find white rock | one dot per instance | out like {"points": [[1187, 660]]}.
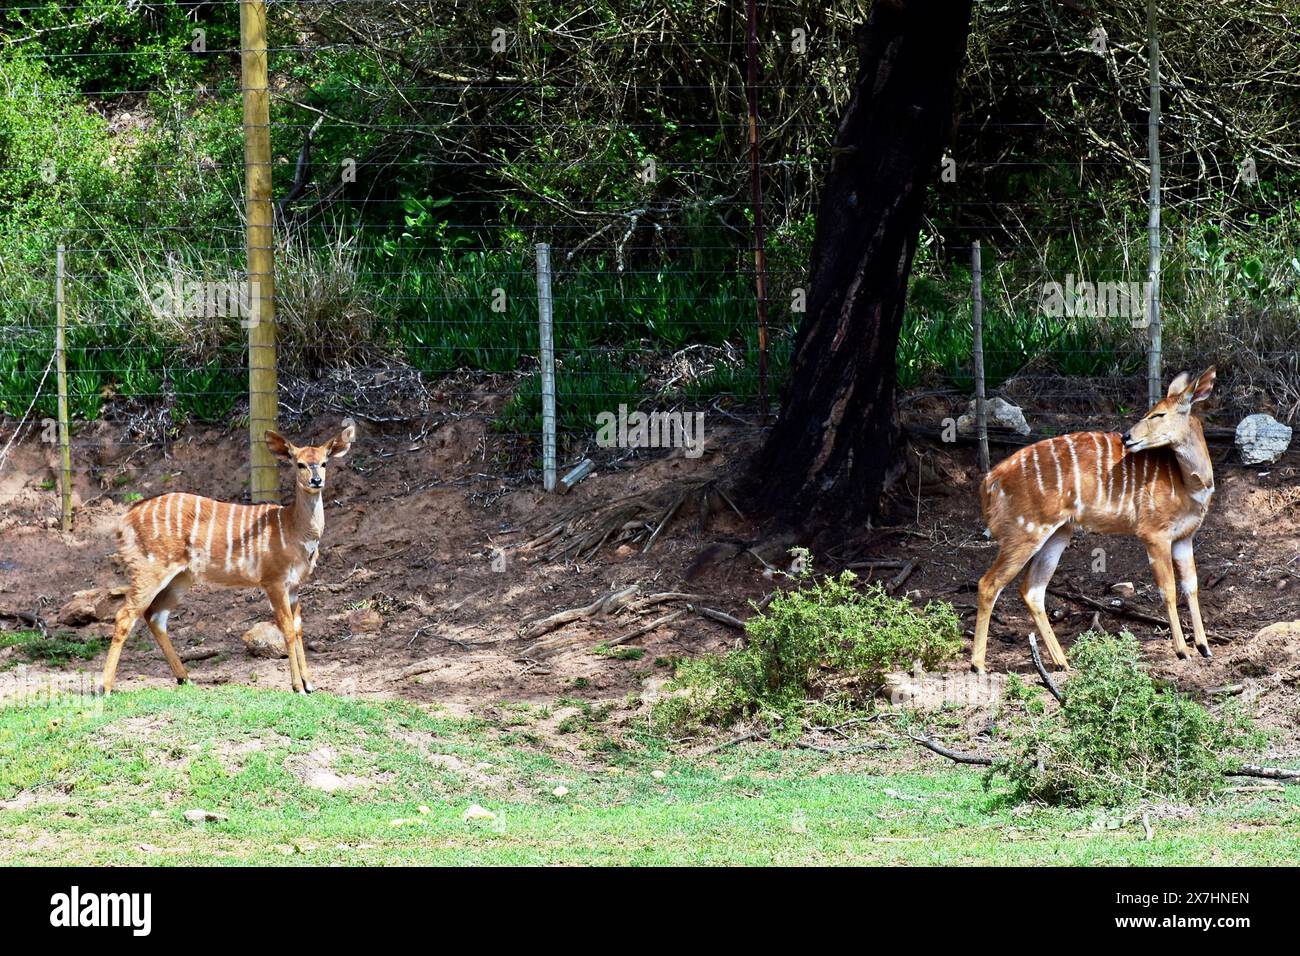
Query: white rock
{"points": [[1000, 414], [658, 774], [1262, 439], [560, 791], [476, 812]]}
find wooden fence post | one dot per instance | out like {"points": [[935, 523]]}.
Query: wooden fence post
{"points": [[263, 389]]}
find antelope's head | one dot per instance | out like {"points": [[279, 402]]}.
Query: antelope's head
{"points": [[1170, 420], [309, 460]]}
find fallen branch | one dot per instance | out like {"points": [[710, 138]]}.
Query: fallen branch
{"points": [[943, 751], [722, 617], [901, 577], [1268, 773], [1122, 610], [602, 605], [198, 654], [1042, 671], [729, 743], [643, 629]]}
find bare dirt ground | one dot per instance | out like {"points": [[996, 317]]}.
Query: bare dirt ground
{"points": [[419, 531]]}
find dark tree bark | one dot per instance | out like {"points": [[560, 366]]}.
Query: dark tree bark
{"points": [[837, 434]]}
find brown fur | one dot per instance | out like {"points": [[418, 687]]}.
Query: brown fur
{"points": [[170, 542], [1155, 482]]}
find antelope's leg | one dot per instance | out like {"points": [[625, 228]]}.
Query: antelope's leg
{"points": [[127, 615], [279, 599], [1162, 566], [143, 590], [296, 606], [156, 618], [1034, 590], [1010, 559], [1185, 565]]}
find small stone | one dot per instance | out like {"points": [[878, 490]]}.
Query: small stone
{"points": [[204, 816], [560, 792], [1124, 589], [423, 809], [1262, 439], [475, 812], [998, 413], [264, 639], [658, 774], [364, 620], [91, 605], [326, 780]]}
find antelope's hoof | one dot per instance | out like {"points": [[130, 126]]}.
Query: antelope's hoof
{"points": [[1205, 650], [307, 687], [184, 682], [1182, 655], [977, 668]]}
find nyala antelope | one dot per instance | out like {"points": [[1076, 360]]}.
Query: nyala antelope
{"points": [[169, 542], [1154, 481]]}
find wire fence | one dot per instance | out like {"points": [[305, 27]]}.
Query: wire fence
{"points": [[412, 184]]}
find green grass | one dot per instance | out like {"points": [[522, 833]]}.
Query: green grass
{"points": [[112, 780], [30, 646]]}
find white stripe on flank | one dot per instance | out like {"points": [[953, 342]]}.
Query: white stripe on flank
{"points": [[1096, 447], [212, 525], [1038, 472], [1173, 493], [243, 536], [230, 534], [1060, 480], [1123, 486], [194, 525], [279, 527], [1074, 465], [1110, 472]]}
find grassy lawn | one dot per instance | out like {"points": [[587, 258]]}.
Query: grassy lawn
{"points": [[96, 782]]}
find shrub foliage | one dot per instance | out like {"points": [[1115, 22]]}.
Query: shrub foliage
{"points": [[826, 645], [1119, 737]]}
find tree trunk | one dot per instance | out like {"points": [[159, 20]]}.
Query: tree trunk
{"points": [[837, 433]]}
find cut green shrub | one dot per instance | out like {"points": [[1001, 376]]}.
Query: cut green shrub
{"points": [[825, 644], [1119, 737]]}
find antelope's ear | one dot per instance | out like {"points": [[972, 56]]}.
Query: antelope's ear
{"points": [[279, 446], [1204, 385], [338, 445], [1178, 385]]}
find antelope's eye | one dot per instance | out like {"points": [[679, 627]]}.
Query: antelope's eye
{"points": [[1156, 415], [301, 465]]}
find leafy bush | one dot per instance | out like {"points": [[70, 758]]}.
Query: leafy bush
{"points": [[1119, 737], [825, 644]]}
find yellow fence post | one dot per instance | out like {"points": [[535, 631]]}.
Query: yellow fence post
{"points": [[264, 482]]}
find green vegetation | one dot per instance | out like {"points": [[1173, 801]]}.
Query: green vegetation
{"points": [[108, 782], [32, 646], [120, 138], [823, 647], [1119, 737]]}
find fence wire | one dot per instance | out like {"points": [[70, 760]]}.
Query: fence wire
{"points": [[417, 161]]}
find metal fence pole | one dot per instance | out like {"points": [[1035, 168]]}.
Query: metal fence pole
{"points": [[1153, 213], [546, 339], [264, 479], [977, 328], [60, 343]]}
